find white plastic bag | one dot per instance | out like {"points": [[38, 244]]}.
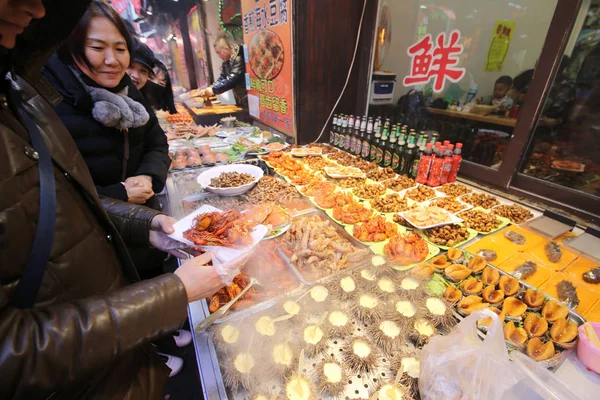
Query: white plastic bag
{"points": [[227, 270], [462, 366]]}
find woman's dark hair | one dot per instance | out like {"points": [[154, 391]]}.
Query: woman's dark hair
{"points": [[73, 49], [169, 101]]}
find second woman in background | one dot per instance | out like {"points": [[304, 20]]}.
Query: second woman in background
{"points": [[118, 135]]}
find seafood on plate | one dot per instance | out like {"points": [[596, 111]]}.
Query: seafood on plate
{"points": [[369, 191], [526, 270], [454, 189], [227, 293], [553, 252], [270, 189], [229, 229], [514, 212], [567, 293], [315, 246], [515, 237], [317, 186], [343, 172], [421, 193], [447, 235], [592, 276], [375, 229], [449, 203], [317, 163], [390, 203], [347, 183], [480, 220], [400, 183], [483, 200], [427, 216], [352, 213], [332, 199], [406, 249], [381, 174], [301, 176]]}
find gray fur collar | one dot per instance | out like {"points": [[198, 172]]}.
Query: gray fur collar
{"points": [[115, 110]]}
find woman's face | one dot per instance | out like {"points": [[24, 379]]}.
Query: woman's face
{"points": [[139, 74], [107, 52], [15, 16], [159, 77]]}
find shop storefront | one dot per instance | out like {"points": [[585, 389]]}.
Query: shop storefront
{"points": [[366, 266]]}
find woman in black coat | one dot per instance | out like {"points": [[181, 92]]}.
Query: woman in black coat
{"points": [[116, 131]]}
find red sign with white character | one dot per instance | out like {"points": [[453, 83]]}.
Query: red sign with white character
{"points": [[435, 62]]}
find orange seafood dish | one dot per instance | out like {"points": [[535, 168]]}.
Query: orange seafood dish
{"points": [[352, 213], [406, 249], [301, 176], [317, 186], [332, 199], [375, 229], [227, 229]]}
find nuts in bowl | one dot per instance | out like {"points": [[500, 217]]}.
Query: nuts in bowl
{"points": [[390, 204], [231, 179], [514, 212], [454, 189]]}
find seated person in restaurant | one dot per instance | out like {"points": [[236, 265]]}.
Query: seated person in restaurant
{"points": [[233, 70], [500, 98]]}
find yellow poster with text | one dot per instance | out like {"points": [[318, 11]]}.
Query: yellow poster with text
{"points": [[501, 38]]}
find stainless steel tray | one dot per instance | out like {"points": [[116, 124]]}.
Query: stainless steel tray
{"points": [[555, 361], [342, 232]]}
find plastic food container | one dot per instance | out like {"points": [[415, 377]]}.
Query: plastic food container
{"points": [[586, 351]]}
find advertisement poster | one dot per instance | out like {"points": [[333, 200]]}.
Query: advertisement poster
{"points": [[198, 45], [268, 40], [501, 38]]}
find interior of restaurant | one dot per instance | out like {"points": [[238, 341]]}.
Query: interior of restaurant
{"points": [[563, 148]]}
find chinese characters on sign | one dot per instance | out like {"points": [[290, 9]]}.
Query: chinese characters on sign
{"points": [[501, 38], [435, 61], [268, 37]]}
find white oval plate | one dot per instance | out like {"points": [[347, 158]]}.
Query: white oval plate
{"points": [[205, 177]]}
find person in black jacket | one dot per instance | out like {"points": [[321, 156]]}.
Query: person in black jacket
{"points": [[116, 131], [233, 70], [159, 91]]}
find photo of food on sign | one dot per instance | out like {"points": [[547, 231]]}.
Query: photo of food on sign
{"points": [[266, 54]]}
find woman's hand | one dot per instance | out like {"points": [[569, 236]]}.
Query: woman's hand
{"points": [[138, 194], [139, 189], [200, 280], [160, 227]]}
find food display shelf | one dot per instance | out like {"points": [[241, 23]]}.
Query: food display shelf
{"points": [[208, 362], [557, 360]]}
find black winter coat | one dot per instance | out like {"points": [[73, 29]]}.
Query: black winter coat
{"points": [[105, 149]]}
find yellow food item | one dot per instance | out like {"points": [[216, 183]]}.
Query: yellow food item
{"points": [[333, 372], [291, 307], [265, 326], [283, 354], [313, 334], [368, 301], [244, 362], [230, 334]]}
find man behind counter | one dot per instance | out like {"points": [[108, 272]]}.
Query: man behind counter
{"points": [[232, 70]]}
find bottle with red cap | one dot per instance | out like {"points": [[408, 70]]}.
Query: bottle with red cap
{"points": [[425, 164], [436, 168], [456, 160], [447, 166]]}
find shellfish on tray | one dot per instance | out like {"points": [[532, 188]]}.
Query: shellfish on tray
{"points": [[406, 249]]}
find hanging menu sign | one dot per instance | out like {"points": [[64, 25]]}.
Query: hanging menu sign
{"points": [[268, 53]]}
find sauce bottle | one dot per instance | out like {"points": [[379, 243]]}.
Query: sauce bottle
{"points": [[425, 164], [456, 160], [447, 166], [436, 168]]}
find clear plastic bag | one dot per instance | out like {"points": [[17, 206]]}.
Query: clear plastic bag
{"points": [[227, 270], [462, 366]]}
